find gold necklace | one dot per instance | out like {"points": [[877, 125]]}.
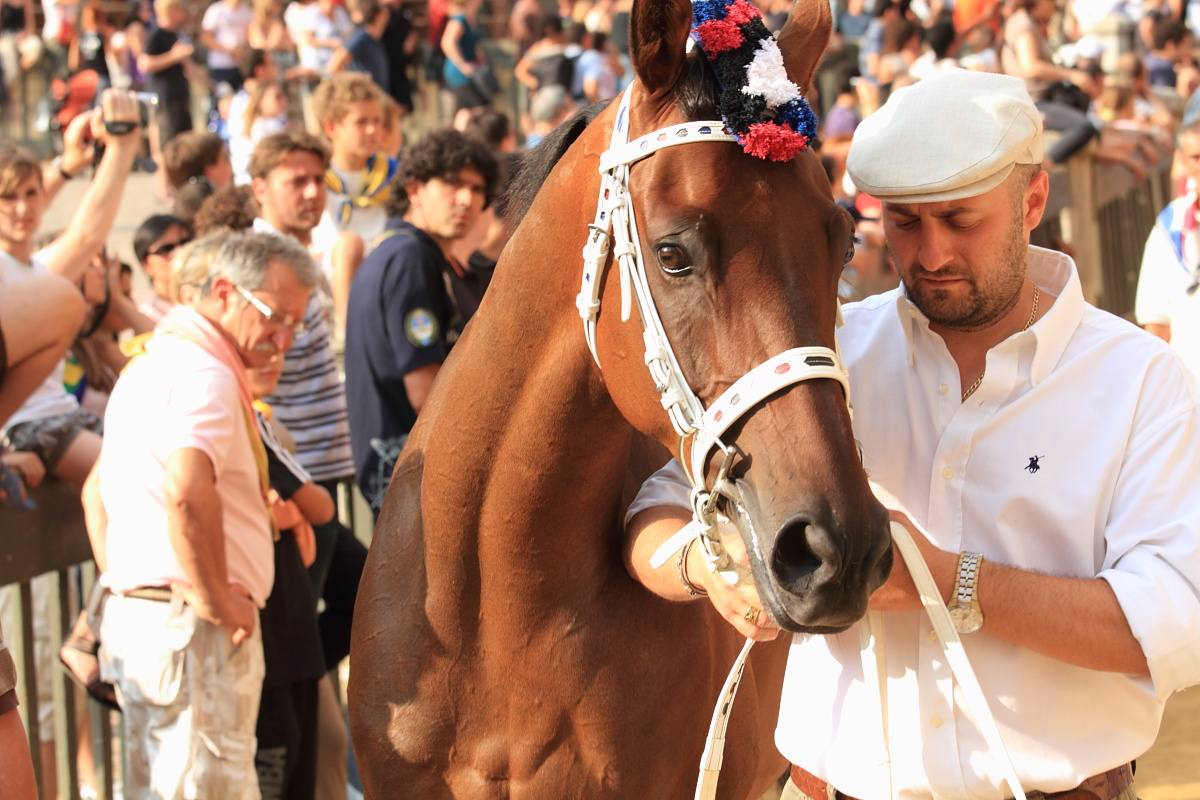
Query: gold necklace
{"points": [[1032, 316]]}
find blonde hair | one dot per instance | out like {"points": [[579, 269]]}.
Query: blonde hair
{"points": [[331, 101], [161, 7], [17, 165]]}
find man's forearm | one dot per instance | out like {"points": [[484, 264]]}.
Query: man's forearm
{"points": [[94, 218], [195, 529], [95, 518], [1074, 620]]}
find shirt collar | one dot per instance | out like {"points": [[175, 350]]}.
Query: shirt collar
{"points": [[1053, 273]]}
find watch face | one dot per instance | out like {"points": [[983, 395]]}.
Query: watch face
{"points": [[966, 619]]}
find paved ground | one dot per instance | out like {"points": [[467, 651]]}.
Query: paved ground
{"points": [[1169, 771]]}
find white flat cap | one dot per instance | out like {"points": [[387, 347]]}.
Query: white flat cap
{"points": [[954, 135]]}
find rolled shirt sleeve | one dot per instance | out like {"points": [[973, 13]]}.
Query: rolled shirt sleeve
{"points": [[1152, 560]]}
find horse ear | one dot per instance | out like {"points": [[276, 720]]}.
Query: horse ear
{"points": [[804, 38], [658, 35]]}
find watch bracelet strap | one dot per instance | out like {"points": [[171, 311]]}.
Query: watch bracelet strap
{"points": [[966, 581]]}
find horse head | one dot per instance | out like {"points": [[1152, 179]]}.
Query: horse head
{"points": [[742, 256]]}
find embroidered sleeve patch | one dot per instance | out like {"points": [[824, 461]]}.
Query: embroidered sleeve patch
{"points": [[421, 327]]}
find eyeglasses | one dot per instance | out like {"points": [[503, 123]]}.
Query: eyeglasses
{"points": [[166, 250], [298, 328]]}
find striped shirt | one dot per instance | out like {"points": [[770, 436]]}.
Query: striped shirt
{"points": [[310, 400]]}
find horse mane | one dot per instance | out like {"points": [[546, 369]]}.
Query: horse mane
{"points": [[695, 95]]}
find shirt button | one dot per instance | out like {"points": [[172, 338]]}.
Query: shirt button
{"points": [[944, 388], [947, 473], [936, 722], [933, 636], [912, 312]]}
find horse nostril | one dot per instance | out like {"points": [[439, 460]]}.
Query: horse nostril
{"points": [[797, 554]]}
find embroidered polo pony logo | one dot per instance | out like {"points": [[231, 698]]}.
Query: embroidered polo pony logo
{"points": [[1033, 466]]}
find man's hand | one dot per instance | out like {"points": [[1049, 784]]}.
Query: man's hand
{"points": [[289, 517], [233, 610], [27, 465], [79, 143], [118, 106], [182, 50], [900, 593], [738, 603]]}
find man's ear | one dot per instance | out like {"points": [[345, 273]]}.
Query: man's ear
{"points": [[1036, 195], [327, 128], [258, 187]]}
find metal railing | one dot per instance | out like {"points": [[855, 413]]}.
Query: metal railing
{"points": [[52, 541], [1102, 218]]}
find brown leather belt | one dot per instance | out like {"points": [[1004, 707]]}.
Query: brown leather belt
{"points": [[1098, 787]]}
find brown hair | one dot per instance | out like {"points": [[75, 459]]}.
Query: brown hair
{"points": [[17, 165], [270, 152], [233, 207], [366, 10], [187, 155], [331, 101]]}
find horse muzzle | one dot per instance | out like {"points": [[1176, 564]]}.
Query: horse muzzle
{"points": [[814, 575]]}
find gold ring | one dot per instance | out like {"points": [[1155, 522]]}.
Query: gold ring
{"points": [[751, 615]]}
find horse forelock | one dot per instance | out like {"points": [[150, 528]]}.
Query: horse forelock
{"points": [[695, 96]]}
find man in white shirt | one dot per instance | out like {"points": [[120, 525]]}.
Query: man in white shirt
{"points": [[1046, 446]]}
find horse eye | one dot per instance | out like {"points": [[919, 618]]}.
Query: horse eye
{"points": [[850, 248], [673, 259]]}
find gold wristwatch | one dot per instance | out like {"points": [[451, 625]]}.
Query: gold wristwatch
{"points": [[964, 609]]}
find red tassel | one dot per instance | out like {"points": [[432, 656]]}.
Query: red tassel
{"points": [[740, 12], [776, 142], [719, 35]]}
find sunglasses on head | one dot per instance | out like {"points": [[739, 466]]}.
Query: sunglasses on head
{"points": [[166, 249]]}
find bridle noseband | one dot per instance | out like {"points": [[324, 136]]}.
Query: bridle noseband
{"points": [[614, 212]]}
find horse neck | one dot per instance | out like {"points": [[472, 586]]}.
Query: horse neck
{"points": [[522, 388]]}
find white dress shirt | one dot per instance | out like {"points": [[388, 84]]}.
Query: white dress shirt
{"points": [[1078, 455]]}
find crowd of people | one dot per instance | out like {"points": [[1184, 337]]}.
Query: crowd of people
{"points": [[310, 273]]}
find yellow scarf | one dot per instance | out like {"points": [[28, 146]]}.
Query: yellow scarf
{"points": [[375, 188]]}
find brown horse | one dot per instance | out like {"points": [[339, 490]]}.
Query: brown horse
{"points": [[500, 648]]}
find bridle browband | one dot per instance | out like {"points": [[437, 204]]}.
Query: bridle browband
{"points": [[614, 212]]}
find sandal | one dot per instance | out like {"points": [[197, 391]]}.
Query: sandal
{"points": [[100, 691], [12, 490]]}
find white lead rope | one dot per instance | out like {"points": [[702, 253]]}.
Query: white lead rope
{"points": [[875, 666]]}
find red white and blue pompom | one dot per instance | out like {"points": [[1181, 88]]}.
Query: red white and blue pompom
{"points": [[761, 107]]}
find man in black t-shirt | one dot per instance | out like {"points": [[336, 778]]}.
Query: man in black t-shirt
{"points": [[163, 62], [402, 314]]}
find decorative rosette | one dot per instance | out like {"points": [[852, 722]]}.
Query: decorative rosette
{"points": [[763, 110]]}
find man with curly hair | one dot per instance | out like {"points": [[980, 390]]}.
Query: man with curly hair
{"points": [[411, 299]]}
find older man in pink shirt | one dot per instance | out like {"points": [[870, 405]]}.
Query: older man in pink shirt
{"points": [[187, 536]]}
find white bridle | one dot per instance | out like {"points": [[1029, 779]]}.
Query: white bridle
{"points": [[614, 212]]}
